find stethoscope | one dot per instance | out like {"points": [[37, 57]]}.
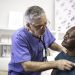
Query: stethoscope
{"points": [[45, 49]]}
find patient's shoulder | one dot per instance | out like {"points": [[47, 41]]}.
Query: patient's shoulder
{"points": [[61, 55]]}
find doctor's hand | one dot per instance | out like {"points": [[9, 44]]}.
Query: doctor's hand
{"points": [[64, 65], [64, 49]]}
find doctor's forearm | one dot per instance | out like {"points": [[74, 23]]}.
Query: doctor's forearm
{"points": [[57, 47], [38, 66]]}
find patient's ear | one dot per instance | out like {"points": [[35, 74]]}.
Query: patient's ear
{"points": [[71, 43]]}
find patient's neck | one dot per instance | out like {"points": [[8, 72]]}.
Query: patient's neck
{"points": [[71, 53]]}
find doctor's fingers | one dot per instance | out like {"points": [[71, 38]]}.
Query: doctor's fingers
{"points": [[68, 67], [64, 64]]}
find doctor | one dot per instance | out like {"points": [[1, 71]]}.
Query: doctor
{"points": [[29, 46]]}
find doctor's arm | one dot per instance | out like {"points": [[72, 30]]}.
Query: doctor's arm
{"points": [[57, 47], [32, 66]]}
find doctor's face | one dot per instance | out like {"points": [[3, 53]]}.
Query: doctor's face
{"points": [[39, 25]]}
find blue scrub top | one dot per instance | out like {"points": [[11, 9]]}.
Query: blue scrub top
{"points": [[26, 47], [62, 55]]}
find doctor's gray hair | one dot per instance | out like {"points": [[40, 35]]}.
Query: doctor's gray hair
{"points": [[33, 13]]}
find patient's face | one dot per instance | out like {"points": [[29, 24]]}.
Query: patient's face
{"points": [[69, 39]]}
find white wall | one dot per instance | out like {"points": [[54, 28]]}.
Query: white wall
{"points": [[21, 5]]}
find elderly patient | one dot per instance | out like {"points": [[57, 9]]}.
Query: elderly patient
{"points": [[69, 43]]}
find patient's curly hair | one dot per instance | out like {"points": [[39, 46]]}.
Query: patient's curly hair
{"points": [[70, 39]]}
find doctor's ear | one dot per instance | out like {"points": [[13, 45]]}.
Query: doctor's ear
{"points": [[28, 25]]}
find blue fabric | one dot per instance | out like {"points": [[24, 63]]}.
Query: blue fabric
{"points": [[67, 57], [26, 47]]}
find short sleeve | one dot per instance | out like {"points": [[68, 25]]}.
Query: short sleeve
{"points": [[20, 50], [49, 38]]}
